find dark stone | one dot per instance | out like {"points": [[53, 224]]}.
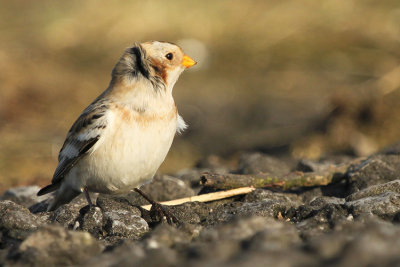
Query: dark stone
{"points": [[366, 241], [393, 186], [393, 149], [40, 206], [161, 188], [244, 238], [321, 202], [190, 212], [319, 217], [16, 221], [128, 254], [112, 219], [385, 205], [192, 177], [124, 224], [307, 165], [91, 219], [67, 214], [24, 195], [377, 169], [122, 219], [55, 245], [165, 235], [245, 228], [339, 224], [259, 203], [265, 194], [257, 162], [109, 203]]}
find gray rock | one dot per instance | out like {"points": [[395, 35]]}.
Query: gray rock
{"points": [[393, 149], [91, 219], [265, 194], [393, 186], [112, 219], [165, 235], [335, 225], [158, 248], [306, 165], [41, 206], [319, 217], [24, 195], [377, 169], [243, 229], [109, 203], [16, 221], [275, 242], [128, 254], [251, 163], [190, 212], [121, 218], [377, 246], [321, 202], [165, 187], [230, 242], [124, 224], [368, 241], [192, 177], [67, 214], [385, 205], [161, 188], [55, 245], [280, 258], [162, 256], [261, 203]]}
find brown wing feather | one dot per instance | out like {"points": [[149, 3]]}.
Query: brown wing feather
{"points": [[82, 136]]}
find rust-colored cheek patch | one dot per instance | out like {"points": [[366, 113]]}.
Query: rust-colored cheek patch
{"points": [[160, 70]]}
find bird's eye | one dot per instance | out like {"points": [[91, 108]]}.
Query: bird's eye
{"points": [[169, 56]]}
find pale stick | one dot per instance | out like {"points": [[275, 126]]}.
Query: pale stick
{"points": [[207, 197]]}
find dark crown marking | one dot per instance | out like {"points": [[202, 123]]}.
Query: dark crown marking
{"points": [[141, 61], [135, 63]]}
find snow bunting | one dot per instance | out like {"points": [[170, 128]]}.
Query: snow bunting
{"points": [[120, 140]]}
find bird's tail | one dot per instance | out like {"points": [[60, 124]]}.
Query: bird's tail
{"points": [[63, 196], [48, 189]]}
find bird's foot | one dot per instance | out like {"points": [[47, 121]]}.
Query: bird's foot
{"points": [[157, 211]]}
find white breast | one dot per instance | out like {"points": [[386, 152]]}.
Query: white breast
{"points": [[129, 153]]}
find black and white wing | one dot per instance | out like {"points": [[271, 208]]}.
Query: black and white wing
{"points": [[82, 136]]}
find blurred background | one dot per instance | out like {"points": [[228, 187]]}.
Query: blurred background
{"points": [[300, 78]]}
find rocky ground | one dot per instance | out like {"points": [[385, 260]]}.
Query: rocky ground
{"points": [[354, 221]]}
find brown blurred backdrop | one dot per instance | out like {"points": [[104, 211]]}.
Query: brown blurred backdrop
{"points": [[302, 78]]}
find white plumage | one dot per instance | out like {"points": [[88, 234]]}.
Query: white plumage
{"points": [[121, 139]]}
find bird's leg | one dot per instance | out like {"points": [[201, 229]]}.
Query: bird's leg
{"points": [[145, 196], [158, 209], [86, 192]]}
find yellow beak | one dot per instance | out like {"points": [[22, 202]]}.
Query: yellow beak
{"points": [[188, 61]]}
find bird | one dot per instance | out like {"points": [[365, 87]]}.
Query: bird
{"points": [[120, 140]]}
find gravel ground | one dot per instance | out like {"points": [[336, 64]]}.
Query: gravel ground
{"points": [[351, 222]]}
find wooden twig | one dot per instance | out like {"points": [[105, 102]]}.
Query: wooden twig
{"points": [[265, 180], [207, 197]]}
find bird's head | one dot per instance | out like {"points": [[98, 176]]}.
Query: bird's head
{"points": [[160, 62]]}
